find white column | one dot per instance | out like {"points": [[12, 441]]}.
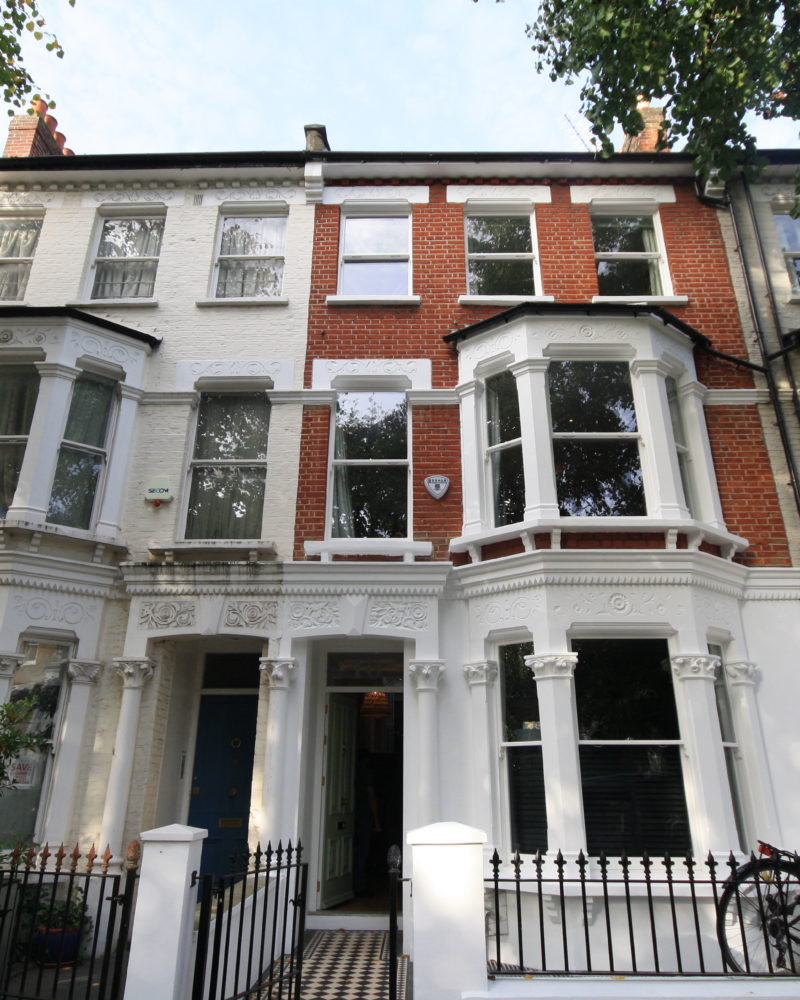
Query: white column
{"points": [[701, 464], [58, 816], [448, 948], [481, 677], [119, 450], [541, 499], [425, 676], [163, 922], [753, 769], [9, 665], [280, 673], [135, 674], [708, 790], [555, 688], [32, 496], [472, 463], [662, 479]]}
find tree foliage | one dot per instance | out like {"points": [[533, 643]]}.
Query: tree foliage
{"points": [[21, 18], [708, 62]]}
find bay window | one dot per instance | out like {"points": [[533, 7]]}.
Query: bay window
{"points": [[370, 466], [127, 257], [250, 257], [375, 255], [629, 255], [18, 239], [504, 448], [789, 235], [227, 472], [500, 259], [19, 389]]}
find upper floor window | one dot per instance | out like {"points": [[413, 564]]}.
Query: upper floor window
{"points": [[504, 448], [250, 257], [789, 234], [595, 439], [370, 466], [18, 239], [83, 453], [127, 257], [19, 388], [228, 469], [375, 255], [500, 258], [629, 255]]}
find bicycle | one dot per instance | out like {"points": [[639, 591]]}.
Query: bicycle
{"points": [[758, 916]]}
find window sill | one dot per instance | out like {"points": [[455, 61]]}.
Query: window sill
{"points": [[373, 300], [276, 301], [114, 304], [216, 549], [502, 300], [12, 523], [645, 300], [793, 299], [368, 547]]}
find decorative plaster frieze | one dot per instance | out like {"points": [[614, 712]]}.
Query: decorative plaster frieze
{"points": [[101, 347], [291, 195], [10, 663], [56, 586], [506, 610], [31, 199], [624, 581], [83, 671], [717, 611], [134, 673], [484, 672], [167, 614], [398, 615], [49, 609], [426, 674], [279, 371], [478, 349], [549, 665], [700, 667], [742, 672], [325, 371], [315, 614], [251, 614], [28, 336], [619, 604], [155, 197], [279, 672], [576, 332]]}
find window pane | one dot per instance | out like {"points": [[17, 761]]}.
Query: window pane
{"points": [[371, 425], [599, 478], [385, 277], [628, 277], [502, 405], [124, 280], [623, 690], [498, 234], [19, 388], [527, 801], [501, 277], [788, 231], [633, 800], [131, 238], [226, 502], [793, 266], [520, 697], [249, 279], [74, 486], [13, 280], [89, 411], [370, 501], [18, 237], [623, 233], [508, 485], [232, 427], [376, 236], [11, 456], [245, 236], [591, 396]]}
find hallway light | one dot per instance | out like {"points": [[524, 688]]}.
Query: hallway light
{"points": [[375, 705]]}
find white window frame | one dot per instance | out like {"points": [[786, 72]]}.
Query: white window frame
{"points": [[22, 216], [659, 255], [502, 209], [791, 258], [490, 449], [245, 211], [375, 210], [122, 213]]}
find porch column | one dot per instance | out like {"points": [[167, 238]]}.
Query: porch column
{"points": [[280, 674], [753, 764], [426, 675], [135, 674], [9, 665], [480, 677], [541, 499], [58, 816], [555, 688], [711, 811]]}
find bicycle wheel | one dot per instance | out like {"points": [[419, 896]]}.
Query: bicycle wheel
{"points": [[758, 920]]}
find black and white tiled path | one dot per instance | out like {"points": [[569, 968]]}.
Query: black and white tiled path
{"points": [[350, 965]]}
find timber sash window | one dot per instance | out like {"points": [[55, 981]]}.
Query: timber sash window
{"points": [[250, 258], [730, 743], [629, 257], [228, 468], [504, 449], [19, 388], [376, 255], [789, 234], [18, 239], [127, 258], [500, 255]]}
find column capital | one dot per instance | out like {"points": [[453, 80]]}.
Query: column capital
{"points": [[426, 674], [483, 672], [83, 671], [10, 663], [700, 667], [742, 672], [134, 673], [279, 671], [551, 665]]}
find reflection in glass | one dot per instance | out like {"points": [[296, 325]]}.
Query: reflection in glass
{"points": [[251, 257], [591, 396], [499, 255], [375, 277], [127, 258], [505, 448], [375, 236], [18, 239], [19, 388], [628, 260], [226, 502]]}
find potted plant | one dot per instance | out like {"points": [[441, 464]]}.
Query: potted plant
{"points": [[60, 923]]}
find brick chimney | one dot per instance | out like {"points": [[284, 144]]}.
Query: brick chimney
{"points": [[647, 140], [35, 134]]}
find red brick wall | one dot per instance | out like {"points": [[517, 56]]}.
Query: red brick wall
{"points": [[29, 136]]}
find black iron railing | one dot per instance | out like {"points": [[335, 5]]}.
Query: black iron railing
{"points": [[640, 917]]}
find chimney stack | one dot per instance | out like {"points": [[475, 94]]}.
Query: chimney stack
{"points": [[647, 140], [317, 139], [35, 134]]}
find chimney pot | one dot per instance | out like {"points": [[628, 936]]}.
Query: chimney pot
{"points": [[61, 139], [40, 107], [51, 123]]}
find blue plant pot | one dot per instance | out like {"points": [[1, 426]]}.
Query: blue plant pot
{"points": [[55, 947]]}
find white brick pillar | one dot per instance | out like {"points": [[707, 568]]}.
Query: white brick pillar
{"points": [[481, 677], [541, 499], [135, 674], [448, 948], [426, 676], [471, 461], [555, 688], [280, 673], [9, 665]]}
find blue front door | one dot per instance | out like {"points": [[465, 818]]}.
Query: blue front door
{"points": [[223, 771]]}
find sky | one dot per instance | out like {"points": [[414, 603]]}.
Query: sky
{"points": [[145, 76]]}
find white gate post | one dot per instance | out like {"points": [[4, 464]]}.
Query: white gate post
{"points": [[449, 935], [163, 921]]}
